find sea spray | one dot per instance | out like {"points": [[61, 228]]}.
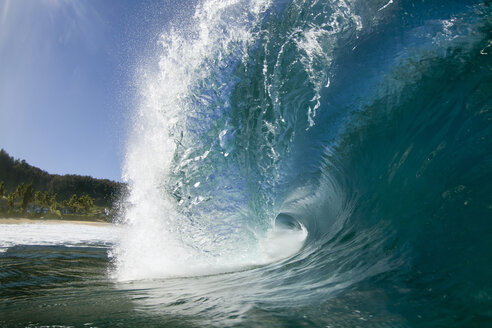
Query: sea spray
{"points": [[180, 101]]}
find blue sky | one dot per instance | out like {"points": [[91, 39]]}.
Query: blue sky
{"points": [[66, 73]]}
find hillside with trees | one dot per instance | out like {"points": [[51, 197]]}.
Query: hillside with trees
{"points": [[28, 189]]}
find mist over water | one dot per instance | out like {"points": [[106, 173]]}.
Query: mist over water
{"points": [[307, 163]]}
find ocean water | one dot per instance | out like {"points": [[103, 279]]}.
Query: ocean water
{"points": [[291, 164]]}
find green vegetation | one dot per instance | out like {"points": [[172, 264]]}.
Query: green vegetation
{"points": [[26, 190]]}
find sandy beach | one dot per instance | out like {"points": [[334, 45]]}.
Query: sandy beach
{"points": [[51, 221]]}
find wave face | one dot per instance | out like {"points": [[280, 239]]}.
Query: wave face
{"points": [[314, 163]]}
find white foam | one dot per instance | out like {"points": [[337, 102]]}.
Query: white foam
{"points": [[56, 234], [155, 255], [281, 243]]}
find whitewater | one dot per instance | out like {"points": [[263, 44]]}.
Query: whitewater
{"points": [[292, 163]]}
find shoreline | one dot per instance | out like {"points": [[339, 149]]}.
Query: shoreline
{"points": [[52, 221]]}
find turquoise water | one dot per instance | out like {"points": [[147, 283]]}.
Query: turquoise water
{"points": [[304, 163]]}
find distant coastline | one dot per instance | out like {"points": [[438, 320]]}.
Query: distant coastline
{"points": [[29, 192]]}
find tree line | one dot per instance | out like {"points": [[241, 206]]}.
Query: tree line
{"points": [[24, 198], [15, 172]]}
